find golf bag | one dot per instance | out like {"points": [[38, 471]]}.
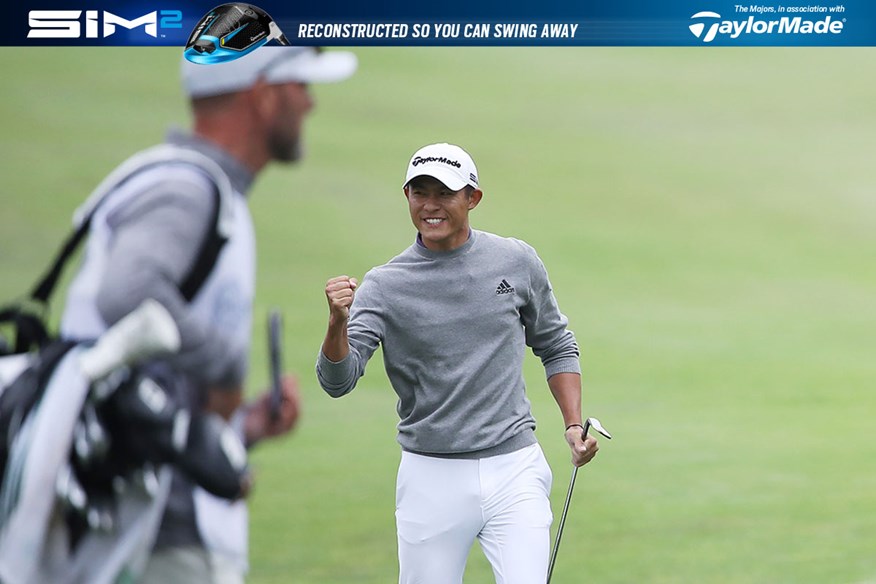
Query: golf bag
{"points": [[90, 433], [86, 450]]}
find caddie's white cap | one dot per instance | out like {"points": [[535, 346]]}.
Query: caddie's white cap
{"points": [[448, 163], [275, 64]]}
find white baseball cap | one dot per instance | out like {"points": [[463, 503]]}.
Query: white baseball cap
{"points": [[448, 163], [276, 64]]}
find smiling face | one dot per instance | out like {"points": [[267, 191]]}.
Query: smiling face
{"points": [[440, 214]]}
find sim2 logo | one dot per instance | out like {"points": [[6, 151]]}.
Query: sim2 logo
{"points": [[785, 25], [67, 24]]}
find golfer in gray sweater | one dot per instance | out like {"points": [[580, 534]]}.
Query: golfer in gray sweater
{"points": [[455, 312]]}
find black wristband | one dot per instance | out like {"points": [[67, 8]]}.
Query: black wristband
{"points": [[572, 425]]}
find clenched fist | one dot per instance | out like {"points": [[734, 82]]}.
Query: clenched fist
{"points": [[339, 292]]}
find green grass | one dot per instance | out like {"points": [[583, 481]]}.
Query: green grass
{"points": [[707, 218]]}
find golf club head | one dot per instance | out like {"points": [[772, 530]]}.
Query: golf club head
{"points": [[596, 425], [69, 491], [230, 31]]}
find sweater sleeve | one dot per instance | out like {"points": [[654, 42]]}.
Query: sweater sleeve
{"points": [[365, 331], [546, 327]]}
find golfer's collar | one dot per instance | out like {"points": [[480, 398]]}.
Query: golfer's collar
{"points": [[424, 251]]}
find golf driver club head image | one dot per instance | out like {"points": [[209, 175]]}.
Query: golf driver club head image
{"points": [[230, 31]]}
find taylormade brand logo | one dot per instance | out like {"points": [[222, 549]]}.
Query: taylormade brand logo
{"points": [[65, 24], [420, 160], [707, 25]]}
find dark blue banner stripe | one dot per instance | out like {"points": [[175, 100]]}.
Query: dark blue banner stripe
{"points": [[458, 23]]}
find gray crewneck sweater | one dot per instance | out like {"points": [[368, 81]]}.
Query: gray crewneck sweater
{"points": [[454, 328]]}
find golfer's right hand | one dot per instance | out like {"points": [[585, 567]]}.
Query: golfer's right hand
{"points": [[339, 292]]}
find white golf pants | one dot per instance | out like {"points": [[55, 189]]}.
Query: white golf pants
{"points": [[443, 505]]}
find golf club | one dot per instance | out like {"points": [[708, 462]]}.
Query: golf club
{"points": [[587, 425], [275, 349], [230, 31]]}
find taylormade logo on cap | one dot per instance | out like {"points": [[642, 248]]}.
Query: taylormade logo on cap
{"points": [[447, 163], [420, 160]]}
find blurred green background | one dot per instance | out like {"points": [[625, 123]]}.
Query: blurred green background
{"points": [[707, 218]]}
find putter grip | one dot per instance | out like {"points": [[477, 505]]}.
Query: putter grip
{"points": [[275, 346], [145, 332]]}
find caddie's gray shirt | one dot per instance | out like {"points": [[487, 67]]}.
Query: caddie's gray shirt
{"points": [[454, 327]]}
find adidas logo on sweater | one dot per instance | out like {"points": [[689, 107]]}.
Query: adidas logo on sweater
{"points": [[505, 288]]}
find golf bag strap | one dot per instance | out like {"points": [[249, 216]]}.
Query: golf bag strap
{"points": [[30, 329], [43, 290], [206, 258], [207, 255]]}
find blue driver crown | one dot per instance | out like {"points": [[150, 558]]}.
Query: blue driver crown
{"points": [[230, 31]]}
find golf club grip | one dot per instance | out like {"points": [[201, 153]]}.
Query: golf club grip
{"points": [[275, 347]]}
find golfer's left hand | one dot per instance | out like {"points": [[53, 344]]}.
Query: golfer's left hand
{"points": [[259, 424], [583, 451]]}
